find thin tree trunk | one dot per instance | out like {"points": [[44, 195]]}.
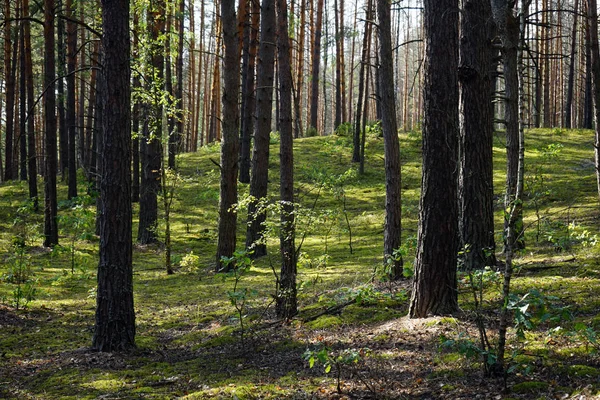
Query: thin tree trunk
{"points": [[32, 157], [9, 60], [392, 227], [316, 63], [595, 52], [63, 137], [572, 61], [286, 303], [361, 83]]}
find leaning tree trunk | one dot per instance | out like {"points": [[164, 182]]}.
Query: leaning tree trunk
{"points": [[393, 201], [230, 139], [286, 303], [260, 157], [50, 202], [476, 192], [435, 286], [115, 315]]}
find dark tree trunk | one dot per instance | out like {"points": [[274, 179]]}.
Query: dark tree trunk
{"points": [[22, 108], [32, 157], [393, 202], [179, 79], [476, 192], [264, 106], [361, 83], [135, 114], [63, 138], [338, 78], [248, 89], [9, 60], [70, 117], [89, 124], [435, 287], [572, 61], [152, 133], [115, 315], [230, 140], [286, 302], [50, 201], [316, 62]]}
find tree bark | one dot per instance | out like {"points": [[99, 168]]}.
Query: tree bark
{"points": [[70, 114], [476, 192], [361, 83], [435, 286], [392, 228], [316, 64], [152, 140], [595, 53], [50, 201], [230, 140], [286, 302], [264, 105], [115, 315], [572, 61], [31, 156], [9, 60]]}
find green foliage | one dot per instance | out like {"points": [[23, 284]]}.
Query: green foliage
{"points": [[190, 262]]}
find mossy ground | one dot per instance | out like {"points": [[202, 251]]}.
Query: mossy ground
{"points": [[188, 335]]}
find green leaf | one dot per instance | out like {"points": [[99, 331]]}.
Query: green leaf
{"points": [[327, 368]]}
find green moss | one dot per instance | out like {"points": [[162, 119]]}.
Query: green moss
{"points": [[582, 370]]}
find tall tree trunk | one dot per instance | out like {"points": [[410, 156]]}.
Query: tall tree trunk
{"points": [[135, 113], [508, 32], [230, 142], [152, 140], [115, 314], [22, 107], [63, 137], [588, 97], [264, 110], [476, 192], [286, 303], [435, 286], [70, 117], [50, 202], [595, 52], [361, 83], [316, 63], [82, 93], [179, 119], [32, 157], [392, 227], [89, 124], [248, 96], [572, 61], [9, 60], [338, 72]]}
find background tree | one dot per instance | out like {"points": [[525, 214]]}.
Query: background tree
{"points": [[435, 287], [392, 228], [70, 107], [115, 316], [230, 140]]}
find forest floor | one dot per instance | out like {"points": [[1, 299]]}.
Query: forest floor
{"points": [[199, 335]]}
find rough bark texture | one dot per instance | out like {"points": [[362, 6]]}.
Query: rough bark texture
{"points": [[572, 61], [392, 227], [50, 201], [32, 156], [264, 104], [135, 115], [9, 77], [356, 142], [476, 192], [115, 315], [435, 287], [70, 114], [230, 139], [316, 62], [286, 303], [151, 149]]}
